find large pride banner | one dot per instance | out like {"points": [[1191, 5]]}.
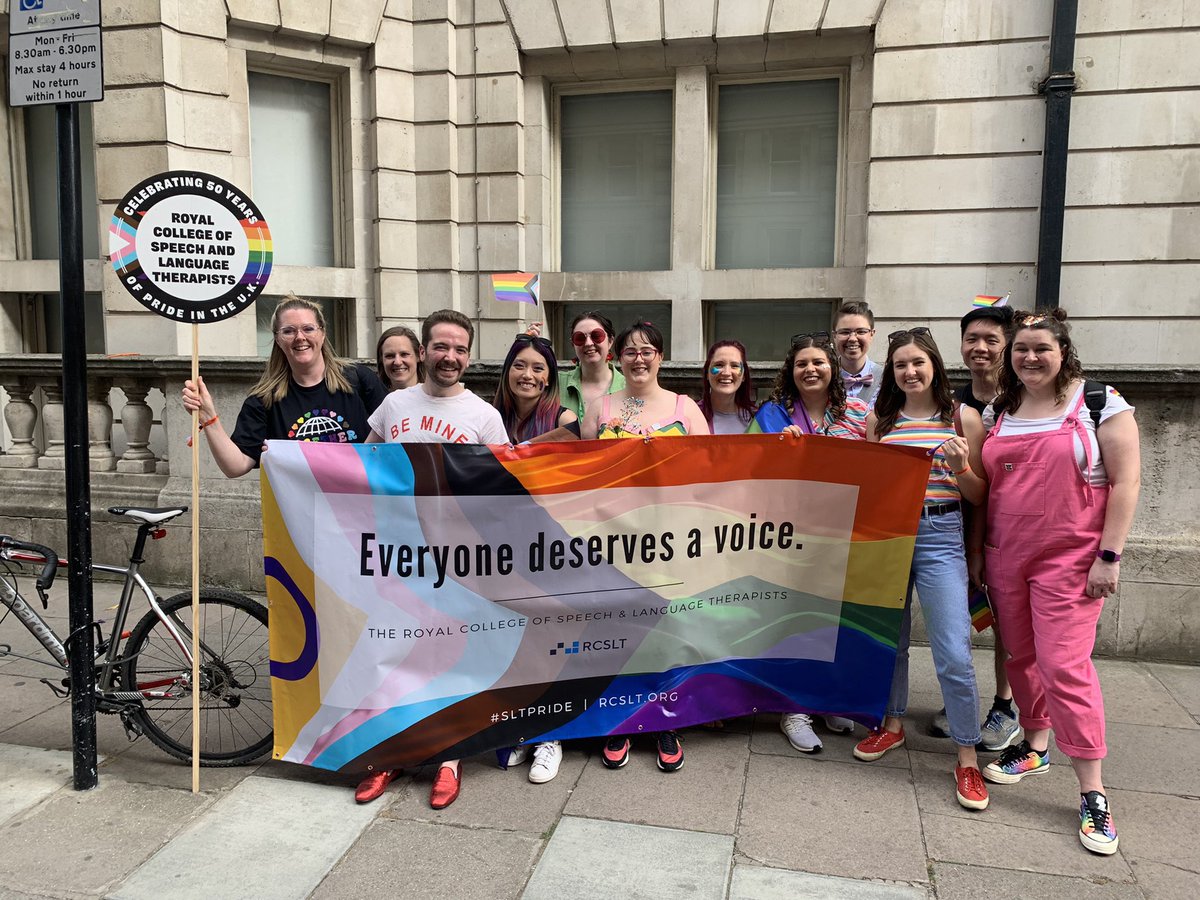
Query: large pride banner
{"points": [[433, 601]]}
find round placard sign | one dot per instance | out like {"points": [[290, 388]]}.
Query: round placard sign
{"points": [[190, 246]]}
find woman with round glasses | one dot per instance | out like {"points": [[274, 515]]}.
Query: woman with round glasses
{"points": [[1064, 464], [915, 408], [727, 395], [307, 393], [398, 358], [809, 398], [595, 375], [643, 408]]}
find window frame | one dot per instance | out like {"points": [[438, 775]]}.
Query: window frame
{"points": [[825, 73], [628, 86], [337, 80]]}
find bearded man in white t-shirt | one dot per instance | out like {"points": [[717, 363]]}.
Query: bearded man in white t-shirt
{"points": [[441, 410]]}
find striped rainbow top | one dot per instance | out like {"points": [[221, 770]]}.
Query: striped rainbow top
{"points": [[928, 433]]}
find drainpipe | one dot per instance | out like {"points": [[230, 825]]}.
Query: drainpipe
{"points": [[1057, 88]]}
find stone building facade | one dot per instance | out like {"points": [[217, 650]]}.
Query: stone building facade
{"points": [[722, 167]]}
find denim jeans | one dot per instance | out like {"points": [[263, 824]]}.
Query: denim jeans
{"points": [[939, 573]]}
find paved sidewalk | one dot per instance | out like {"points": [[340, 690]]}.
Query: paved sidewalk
{"points": [[746, 818]]}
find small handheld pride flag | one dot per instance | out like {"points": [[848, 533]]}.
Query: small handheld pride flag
{"points": [[989, 300], [516, 287]]}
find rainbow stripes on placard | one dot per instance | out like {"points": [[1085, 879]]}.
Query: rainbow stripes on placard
{"points": [[516, 287]]}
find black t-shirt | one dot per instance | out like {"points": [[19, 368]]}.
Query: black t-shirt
{"points": [[311, 413], [964, 396]]}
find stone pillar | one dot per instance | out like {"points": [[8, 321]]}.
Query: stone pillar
{"points": [[21, 417], [52, 425], [100, 421], [136, 419]]}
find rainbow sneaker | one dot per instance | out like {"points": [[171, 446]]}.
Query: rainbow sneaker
{"points": [[1096, 829], [1016, 762]]}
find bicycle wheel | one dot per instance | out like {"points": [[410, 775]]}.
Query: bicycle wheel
{"points": [[235, 678]]}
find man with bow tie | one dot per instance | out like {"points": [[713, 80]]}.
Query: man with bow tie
{"points": [[853, 332]]}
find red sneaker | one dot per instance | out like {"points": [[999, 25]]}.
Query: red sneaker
{"points": [[445, 787], [972, 792], [877, 743], [371, 787]]}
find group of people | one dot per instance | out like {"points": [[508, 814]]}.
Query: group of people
{"points": [[1033, 482]]}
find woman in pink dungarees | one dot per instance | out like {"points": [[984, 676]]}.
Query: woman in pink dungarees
{"points": [[1061, 499]]}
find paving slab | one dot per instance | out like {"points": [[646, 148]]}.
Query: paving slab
{"points": [[1158, 828], [245, 824], [1133, 695], [418, 860], [1163, 882], [84, 842], [272, 768], [590, 858], [492, 797], [762, 883], [28, 775], [1152, 759], [703, 796], [50, 726], [143, 763], [979, 842], [827, 819], [1040, 802], [986, 883], [1182, 681]]}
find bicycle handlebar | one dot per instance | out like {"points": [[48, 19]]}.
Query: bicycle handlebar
{"points": [[49, 566]]}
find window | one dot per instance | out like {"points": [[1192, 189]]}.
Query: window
{"points": [[615, 181], [264, 306], [777, 152], [41, 159], [292, 161], [765, 327], [622, 316]]}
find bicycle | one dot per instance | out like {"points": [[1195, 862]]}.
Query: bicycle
{"points": [[144, 675]]}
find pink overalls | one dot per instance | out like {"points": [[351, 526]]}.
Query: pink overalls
{"points": [[1044, 525]]}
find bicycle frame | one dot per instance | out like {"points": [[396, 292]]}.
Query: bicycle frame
{"points": [[110, 658]]}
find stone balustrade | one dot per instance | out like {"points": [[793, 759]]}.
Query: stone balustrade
{"points": [[137, 433]]}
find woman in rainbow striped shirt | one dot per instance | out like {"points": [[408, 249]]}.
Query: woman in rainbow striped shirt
{"points": [[915, 408]]}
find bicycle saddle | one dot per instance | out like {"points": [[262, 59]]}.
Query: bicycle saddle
{"points": [[148, 515]]}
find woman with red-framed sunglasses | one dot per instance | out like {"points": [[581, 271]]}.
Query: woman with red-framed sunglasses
{"points": [[592, 336]]}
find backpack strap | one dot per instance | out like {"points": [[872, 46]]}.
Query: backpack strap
{"points": [[1095, 395]]}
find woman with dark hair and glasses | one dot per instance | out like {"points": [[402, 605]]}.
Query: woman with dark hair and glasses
{"points": [[810, 398], [1064, 486], [727, 394], [643, 408], [527, 395], [527, 398], [398, 358], [592, 337], [915, 408]]}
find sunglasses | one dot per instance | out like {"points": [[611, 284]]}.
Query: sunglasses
{"points": [[896, 335], [542, 342], [598, 336], [818, 337]]}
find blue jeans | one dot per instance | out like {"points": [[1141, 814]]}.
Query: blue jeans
{"points": [[939, 573]]}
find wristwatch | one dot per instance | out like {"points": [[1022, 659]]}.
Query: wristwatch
{"points": [[1108, 555]]}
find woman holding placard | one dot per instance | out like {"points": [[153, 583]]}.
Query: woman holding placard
{"points": [[307, 393]]}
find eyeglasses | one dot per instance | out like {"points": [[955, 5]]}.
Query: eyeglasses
{"points": [[290, 331], [734, 367], [896, 335], [598, 336], [818, 337], [542, 342], [629, 354], [856, 332]]}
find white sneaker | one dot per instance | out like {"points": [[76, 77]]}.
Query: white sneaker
{"points": [[839, 724], [546, 758], [518, 755], [798, 728]]}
